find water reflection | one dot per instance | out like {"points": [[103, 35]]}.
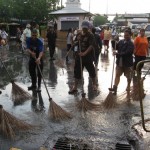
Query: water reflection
{"points": [[52, 74], [37, 103]]}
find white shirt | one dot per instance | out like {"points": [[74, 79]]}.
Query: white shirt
{"points": [[27, 33]]}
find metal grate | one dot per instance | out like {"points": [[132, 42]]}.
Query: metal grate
{"points": [[70, 144], [123, 146]]}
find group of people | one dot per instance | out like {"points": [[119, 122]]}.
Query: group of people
{"points": [[87, 47], [128, 53]]}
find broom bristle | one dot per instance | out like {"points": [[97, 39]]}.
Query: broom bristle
{"points": [[9, 123], [110, 101], [19, 95], [57, 113], [136, 90], [85, 105]]}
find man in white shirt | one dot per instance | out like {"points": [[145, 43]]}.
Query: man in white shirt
{"points": [[26, 34]]}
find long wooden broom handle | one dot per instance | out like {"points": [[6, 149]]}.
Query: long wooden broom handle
{"points": [[50, 99], [113, 68], [113, 72], [6, 70], [69, 50], [83, 94]]}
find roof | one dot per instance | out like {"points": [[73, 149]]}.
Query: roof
{"points": [[69, 10]]}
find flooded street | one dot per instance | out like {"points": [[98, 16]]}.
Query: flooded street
{"points": [[94, 130]]}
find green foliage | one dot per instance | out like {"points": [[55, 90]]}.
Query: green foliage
{"points": [[100, 20], [35, 10]]}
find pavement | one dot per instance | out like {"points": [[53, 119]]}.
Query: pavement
{"points": [[98, 129]]}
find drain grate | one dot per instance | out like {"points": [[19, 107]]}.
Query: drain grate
{"points": [[120, 146], [70, 144], [62, 144]]}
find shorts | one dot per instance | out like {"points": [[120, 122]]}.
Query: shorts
{"points": [[128, 71]]}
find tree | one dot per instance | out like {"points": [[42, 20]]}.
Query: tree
{"points": [[35, 10], [100, 20]]}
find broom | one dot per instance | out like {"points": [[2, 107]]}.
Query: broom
{"points": [[84, 104], [19, 95], [9, 123], [55, 111], [135, 90], [110, 99]]}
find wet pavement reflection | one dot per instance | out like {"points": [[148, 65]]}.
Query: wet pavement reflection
{"points": [[98, 130]]}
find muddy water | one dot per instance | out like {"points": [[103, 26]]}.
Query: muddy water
{"points": [[99, 130]]}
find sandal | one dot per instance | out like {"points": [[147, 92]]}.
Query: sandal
{"points": [[73, 91]]}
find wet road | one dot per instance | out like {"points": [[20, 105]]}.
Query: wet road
{"points": [[97, 130]]}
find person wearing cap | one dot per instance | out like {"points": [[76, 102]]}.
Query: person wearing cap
{"points": [[86, 53], [35, 49], [51, 38]]}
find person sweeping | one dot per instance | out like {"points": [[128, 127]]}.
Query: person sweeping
{"points": [[124, 61], [87, 55], [35, 49]]}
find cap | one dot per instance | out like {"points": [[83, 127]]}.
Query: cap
{"points": [[85, 24]]}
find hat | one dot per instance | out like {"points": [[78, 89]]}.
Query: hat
{"points": [[28, 25], [85, 24]]}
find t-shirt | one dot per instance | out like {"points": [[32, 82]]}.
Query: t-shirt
{"points": [[107, 35], [141, 46]]}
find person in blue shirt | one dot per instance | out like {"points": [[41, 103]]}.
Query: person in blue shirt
{"points": [[35, 49]]}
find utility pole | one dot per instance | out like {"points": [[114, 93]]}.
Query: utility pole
{"points": [[61, 3], [89, 5]]}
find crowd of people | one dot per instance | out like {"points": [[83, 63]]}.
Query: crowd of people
{"points": [[86, 45]]}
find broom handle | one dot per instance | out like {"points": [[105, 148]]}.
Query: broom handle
{"points": [[113, 71], [6, 69], [44, 82], [69, 50], [113, 68], [81, 68]]}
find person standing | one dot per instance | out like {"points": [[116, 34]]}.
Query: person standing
{"points": [[18, 37], [69, 41], [51, 38], [124, 60], [25, 35], [85, 51], [35, 49], [107, 37], [140, 49], [97, 46]]}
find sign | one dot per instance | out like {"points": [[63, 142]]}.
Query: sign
{"points": [[69, 18]]}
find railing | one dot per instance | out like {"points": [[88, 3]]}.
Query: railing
{"points": [[140, 93]]}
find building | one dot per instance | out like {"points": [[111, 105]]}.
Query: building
{"points": [[71, 16]]}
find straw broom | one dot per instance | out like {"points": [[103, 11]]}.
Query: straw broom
{"points": [[84, 105], [19, 95], [55, 111], [135, 90], [110, 101], [9, 123]]}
